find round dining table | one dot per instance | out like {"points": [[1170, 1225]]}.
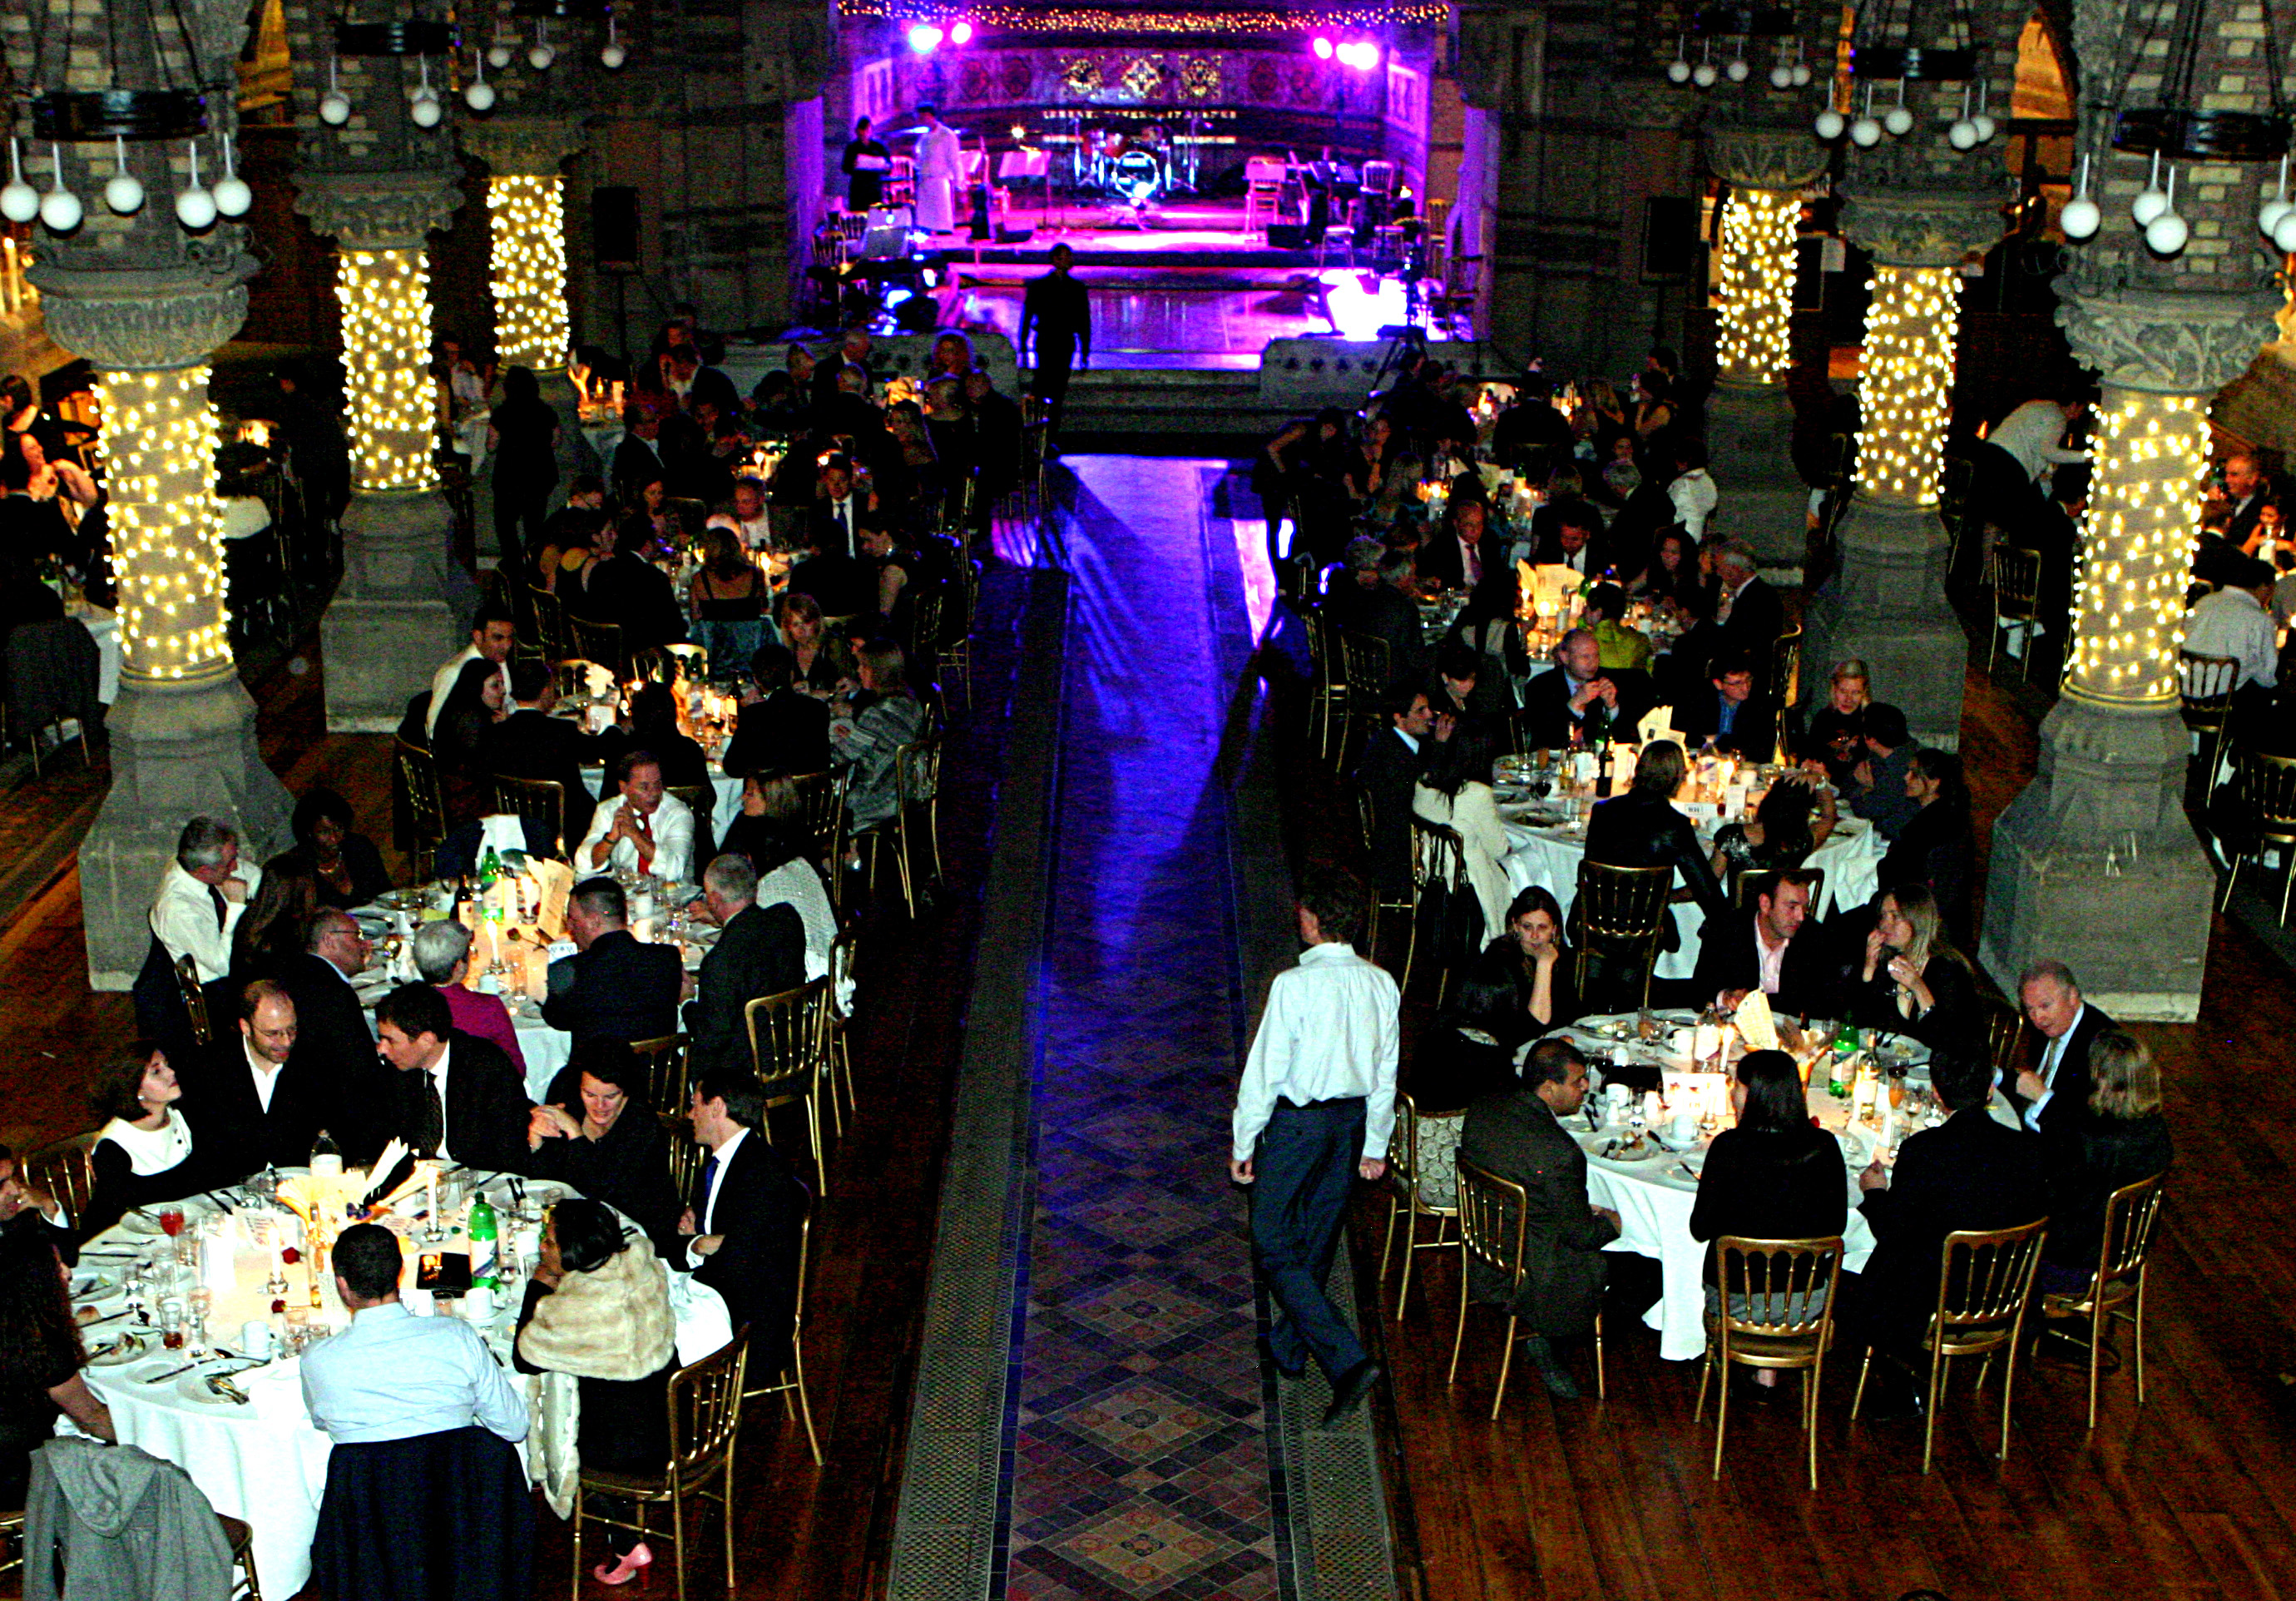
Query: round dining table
{"points": [[260, 1458]]}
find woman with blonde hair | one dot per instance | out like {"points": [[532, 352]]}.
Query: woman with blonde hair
{"points": [[2123, 1138], [1914, 982]]}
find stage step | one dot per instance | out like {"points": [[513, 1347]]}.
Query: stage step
{"points": [[1191, 400]]}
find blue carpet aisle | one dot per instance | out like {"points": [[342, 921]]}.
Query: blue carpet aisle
{"points": [[1121, 1439]]}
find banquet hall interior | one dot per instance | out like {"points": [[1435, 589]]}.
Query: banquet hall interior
{"points": [[1740, 549]]}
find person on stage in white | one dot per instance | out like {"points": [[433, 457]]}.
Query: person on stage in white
{"points": [[1315, 1105], [643, 829], [424, 1420], [203, 896], [939, 166]]}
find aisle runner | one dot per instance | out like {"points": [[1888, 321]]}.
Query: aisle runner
{"points": [[1142, 1463]]}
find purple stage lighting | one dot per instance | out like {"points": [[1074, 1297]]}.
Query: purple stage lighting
{"points": [[962, 34], [1323, 48], [925, 38]]}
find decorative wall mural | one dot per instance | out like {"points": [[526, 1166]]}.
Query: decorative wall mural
{"points": [[1199, 77], [1145, 77], [1082, 75]]}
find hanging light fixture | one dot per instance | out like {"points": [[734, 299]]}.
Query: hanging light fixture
{"points": [[2081, 217], [18, 200], [195, 207], [1739, 26], [1882, 52]]}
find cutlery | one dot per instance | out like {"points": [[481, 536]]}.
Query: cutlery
{"points": [[220, 1383], [1683, 1168], [107, 1317]]}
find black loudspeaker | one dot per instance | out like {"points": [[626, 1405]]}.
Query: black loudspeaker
{"points": [[614, 228], [1287, 235], [1669, 237]]}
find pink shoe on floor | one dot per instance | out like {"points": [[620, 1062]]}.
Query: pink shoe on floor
{"points": [[633, 1566]]}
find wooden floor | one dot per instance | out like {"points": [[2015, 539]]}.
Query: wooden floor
{"points": [[2187, 1497]]}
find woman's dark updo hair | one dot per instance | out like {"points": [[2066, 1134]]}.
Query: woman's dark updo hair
{"points": [[1774, 1100], [588, 1236]]}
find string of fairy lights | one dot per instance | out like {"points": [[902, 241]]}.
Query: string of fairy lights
{"points": [[527, 218], [1758, 263], [388, 392], [2137, 548], [157, 447], [1906, 381], [1074, 20]]}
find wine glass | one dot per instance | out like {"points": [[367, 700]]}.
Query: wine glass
{"points": [[171, 1221]]}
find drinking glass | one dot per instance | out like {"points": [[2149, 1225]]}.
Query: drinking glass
{"points": [[171, 1221], [171, 1323]]}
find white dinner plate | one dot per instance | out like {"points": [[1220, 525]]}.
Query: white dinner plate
{"points": [[193, 1387], [121, 1349]]}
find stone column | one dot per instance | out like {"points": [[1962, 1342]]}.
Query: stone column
{"points": [[525, 214], [2133, 925], [390, 624], [1750, 420], [1885, 603]]}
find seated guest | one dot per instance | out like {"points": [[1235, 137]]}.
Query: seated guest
{"points": [[41, 1356], [1832, 742], [1450, 793], [1774, 948], [2236, 623], [643, 829], [727, 596], [745, 1228], [884, 717], [142, 1155], [1388, 613], [1642, 829], [1780, 834], [344, 863], [653, 729], [1574, 538], [493, 633], [1914, 982], [422, 1418], [458, 743], [771, 834], [1529, 957], [621, 588], [1725, 715], [1578, 702], [1880, 777], [781, 726], [598, 1308], [1516, 1134], [532, 743], [442, 958], [202, 896], [1747, 616], [256, 1101], [1389, 771], [821, 658], [1673, 578], [1478, 707], [760, 951], [1467, 1054], [271, 932], [2123, 1138], [1969, 1172], [1621, 649], [1349, 583], [457, 1097], [1935, 848], [612, 986], [2054, 1090], [1775, 1176], [330, 1027], [598, 1132], [1456, 554]]}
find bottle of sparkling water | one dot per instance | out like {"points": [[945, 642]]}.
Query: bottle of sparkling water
{"points": [[483, 1232]]}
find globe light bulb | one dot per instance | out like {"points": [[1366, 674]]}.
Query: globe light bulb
{"points": [[613, 56], [195, 208], [1985, 127], [233, 197], [1962, 134], [2166, 234], [540, 57], [1865, 132], [18, 200], [426, 111], [2284, 237], [480, 96], [59, 209], [1735, 71], [1830, 124], [498, 55], [2080, 218], [2267, 218], [1782, 77], [334, 108], [1801, 75], [1899, 120], [2148, 206], [123, 194], [1678, 71], [1703, 74]]}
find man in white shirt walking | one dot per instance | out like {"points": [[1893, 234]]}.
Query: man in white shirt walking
{"points": [[1314, 1110]]}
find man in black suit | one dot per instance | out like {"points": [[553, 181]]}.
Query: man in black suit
{"points": [[456, 1096], [1384, 610], [1969, 1172], [1773, 949], [253, 1100], [782, 728], [759, 951], [1580, 697], [331, 1035], [746, 1225], [532, 743], [1572, 537], [1749, 617], [832, 524], [1389, 771], [2052, 1095], [1517, 1135], [1727, 716], [1456, 554], [637, 459], [613, 987]]}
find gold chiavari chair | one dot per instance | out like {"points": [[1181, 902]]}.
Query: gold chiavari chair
{"points": [[2266, 787], [789, 1383], [785, 1045], [1621, 912], [538, 801], [2016, 601], [1494, 1216], [195, 1000], [2116, 1293], [66, 1170], [426, 804], [1777, 1312], [1406, 1194], [664, 1064]]}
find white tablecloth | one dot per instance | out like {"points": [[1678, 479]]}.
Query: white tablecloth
{"points": [[264, 1462], [104, 626], [1549, 858]]}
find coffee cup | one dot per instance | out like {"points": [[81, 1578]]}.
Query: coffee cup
{"points": [[1685, 1127], [255, 1340]]}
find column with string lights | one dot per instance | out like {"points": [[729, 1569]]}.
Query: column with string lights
{"points": [[526, 217], [158, 454], [1753, 340]]}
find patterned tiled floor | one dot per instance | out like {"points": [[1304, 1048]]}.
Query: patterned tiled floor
{"points": [[1143, 1462]]}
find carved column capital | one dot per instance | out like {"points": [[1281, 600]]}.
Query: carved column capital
{"points": [[517, 146], [125, 320], [378, 211], [2166, 341], [1921, 227], [1754, 155]]}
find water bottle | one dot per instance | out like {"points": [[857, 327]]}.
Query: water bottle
{"points": [[485, 1269], [326, 1157]]}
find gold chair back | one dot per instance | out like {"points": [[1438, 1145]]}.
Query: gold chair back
{"points": [[701, 801], [1493, 1214], [1776, 1312], [546, 615], [195, 999], [820, 812], [785, 1036], [2204, 686], [1985, 1278], [426, 803], [684, 1156], [600, 642], [664, 1059], [1785, 666], [1364, 661], [539, 801], [66, 1170], [790, 1382], [924, 623], [705, 1413], [1620, 911], [2132, 1213], [1755, 883], [2005, 1037], [2016, 575], [1408, 1197]]}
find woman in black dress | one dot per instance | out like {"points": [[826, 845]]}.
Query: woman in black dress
{"points": [[1935, 848], [522, 438], [597, 1133], [40, 1357], [1530, 959], [598, 1308], [144, 1156], [344, 862], [1914, 982], [2123, 1138], [458, 744]]}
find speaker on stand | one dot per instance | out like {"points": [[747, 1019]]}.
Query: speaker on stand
{"points": [[614, 248]]}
